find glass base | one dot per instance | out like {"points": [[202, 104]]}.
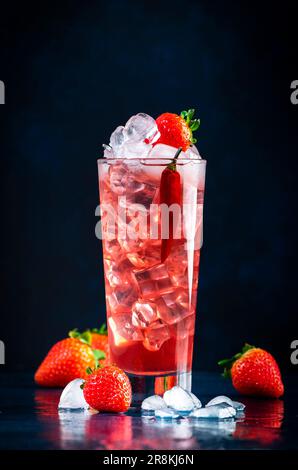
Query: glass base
{"points": [[145, 385]]}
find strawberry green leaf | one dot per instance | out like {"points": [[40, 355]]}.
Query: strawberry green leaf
{"points": [[193, 124], [100, 331], [84, 337], [98, 356], [247, 347], [74, 333]]}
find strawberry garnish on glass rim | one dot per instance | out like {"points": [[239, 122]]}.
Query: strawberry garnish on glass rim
{"points": [[177, 130]]}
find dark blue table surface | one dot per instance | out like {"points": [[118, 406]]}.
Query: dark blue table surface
{"points": [[29, 419]]}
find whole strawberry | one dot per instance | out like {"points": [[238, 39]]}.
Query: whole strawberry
{"points": [[108, 389], [177, 130], [68, 360], [254, 371]]}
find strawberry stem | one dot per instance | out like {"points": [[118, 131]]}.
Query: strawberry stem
{"points": [[100, 331], [98, 355], [84, 337]]}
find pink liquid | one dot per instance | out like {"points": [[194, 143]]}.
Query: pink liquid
{"points": [[150, 305]]}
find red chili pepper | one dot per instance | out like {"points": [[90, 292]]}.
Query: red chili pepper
{"points": [[170, 193]]}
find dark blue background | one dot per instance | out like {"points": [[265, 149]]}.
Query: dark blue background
{"points": [[73, 72]]}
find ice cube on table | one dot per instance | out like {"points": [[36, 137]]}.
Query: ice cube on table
{"points": [[197, 403], [155, 402], [179, 399], [143, 313], [72, 397], [154, 281], [220, 399], [155, 336], [142, 128], [166, 413], [238, 406], [220, 411]]}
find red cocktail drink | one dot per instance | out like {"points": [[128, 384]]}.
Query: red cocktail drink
{"points": [[150, 298]]}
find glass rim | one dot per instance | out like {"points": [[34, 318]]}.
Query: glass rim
{"points": [[155, 160]]}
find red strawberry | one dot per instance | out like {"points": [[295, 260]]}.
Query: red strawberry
{"points": [[177, 130], [98, 339], [254, 372], [67, 360], [108, 389]]}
